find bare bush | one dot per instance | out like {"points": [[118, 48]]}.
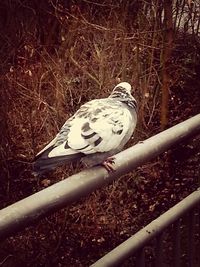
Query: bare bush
{"points": [[55, 56]]}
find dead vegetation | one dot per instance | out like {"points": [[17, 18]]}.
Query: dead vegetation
{"points": [[56, 55]]}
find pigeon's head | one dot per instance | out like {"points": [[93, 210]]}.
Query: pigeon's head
{"points": [[122, 92], [124, 86]]}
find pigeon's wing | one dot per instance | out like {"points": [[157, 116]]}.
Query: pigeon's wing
{"points": [[107, 125], [98, 126]]}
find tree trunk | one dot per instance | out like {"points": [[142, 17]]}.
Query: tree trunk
{"points": [[165, 61]]}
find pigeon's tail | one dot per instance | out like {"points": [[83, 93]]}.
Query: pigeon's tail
{"points": [[42, 163]]}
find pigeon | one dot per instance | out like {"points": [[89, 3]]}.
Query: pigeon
{"points": [[96, 132]]}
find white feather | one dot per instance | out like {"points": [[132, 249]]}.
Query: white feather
{"points": [[99, 126]]}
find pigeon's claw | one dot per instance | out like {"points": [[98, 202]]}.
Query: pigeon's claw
{"points": [[108, 164]]}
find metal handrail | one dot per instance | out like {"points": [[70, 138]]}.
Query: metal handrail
{"points": [[28, 210], [119, 254]]}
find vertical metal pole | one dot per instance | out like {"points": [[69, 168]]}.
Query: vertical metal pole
{"points": [[176, 241], [141, 238], [198, 232], [140, 258], [191, 243], [158, 252]]}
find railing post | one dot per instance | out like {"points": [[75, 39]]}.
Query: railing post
{"points": [[176, 243], [158, 251], [191, 237], [140, 258]]}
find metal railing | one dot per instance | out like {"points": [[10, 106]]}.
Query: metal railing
{"points": [[26, 211], [135, 245]]}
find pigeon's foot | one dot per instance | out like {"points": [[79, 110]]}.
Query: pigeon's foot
{"points": [[108, 164]]}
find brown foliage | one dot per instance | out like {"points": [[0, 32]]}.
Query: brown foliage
{"points": [[56, 55]]}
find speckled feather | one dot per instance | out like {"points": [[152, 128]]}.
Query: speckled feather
{"points": [[99, 129]]}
